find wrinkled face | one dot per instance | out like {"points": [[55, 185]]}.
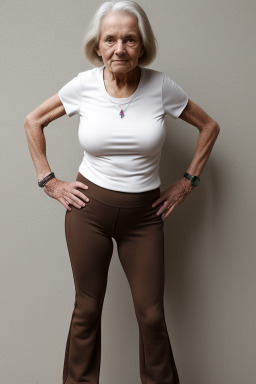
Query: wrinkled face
{"points": [[120, 44]]}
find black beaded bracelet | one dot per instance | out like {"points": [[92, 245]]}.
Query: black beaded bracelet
{"points": [[47, 178]]}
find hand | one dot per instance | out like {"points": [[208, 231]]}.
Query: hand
{"points": [[173, 196], [66, 192]]}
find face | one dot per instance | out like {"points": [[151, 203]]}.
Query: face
{"points": [[120, 44]]}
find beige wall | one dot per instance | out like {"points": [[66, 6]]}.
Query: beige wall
{"points": [[208, 47]]}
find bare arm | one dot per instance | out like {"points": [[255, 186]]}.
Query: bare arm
{"points": [[65, 192], [34, 124], [208, 132]]}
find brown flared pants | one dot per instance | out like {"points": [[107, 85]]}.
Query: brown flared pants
{"points": [[130, 220]]}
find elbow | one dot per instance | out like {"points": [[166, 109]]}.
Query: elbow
{"points": [[213, 128], [28, 121], [31, 122], [216, 129]]}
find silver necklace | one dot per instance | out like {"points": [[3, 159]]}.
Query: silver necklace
{"points": [[122, 110]]}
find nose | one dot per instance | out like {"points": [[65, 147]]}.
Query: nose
{"points": [[119, 47]]}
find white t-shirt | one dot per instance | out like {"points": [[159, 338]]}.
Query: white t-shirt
{"points": [[122, 154]]}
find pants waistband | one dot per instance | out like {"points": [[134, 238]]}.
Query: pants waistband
{"points": [[118, 198]]}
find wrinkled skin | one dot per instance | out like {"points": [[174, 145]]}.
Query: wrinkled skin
{"points": [[66, 192], [172, 197]]}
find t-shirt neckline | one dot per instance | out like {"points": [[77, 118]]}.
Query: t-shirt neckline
{"points": [[120, 100]]}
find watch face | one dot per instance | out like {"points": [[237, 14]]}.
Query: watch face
{"points": [[195, 181]]}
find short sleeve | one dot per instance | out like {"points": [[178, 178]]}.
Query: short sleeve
{"points": [[70, 96], [174, 98]]}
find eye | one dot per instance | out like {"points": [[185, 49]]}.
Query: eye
{"points": [[131, 40]]}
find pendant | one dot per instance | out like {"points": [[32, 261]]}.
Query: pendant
{"points": [[121, 113]]}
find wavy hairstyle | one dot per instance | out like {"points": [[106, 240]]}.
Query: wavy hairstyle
{"points": [[92, 35]]}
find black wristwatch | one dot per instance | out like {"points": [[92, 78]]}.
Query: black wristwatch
{"points": [[47, 178], [194, 180]]}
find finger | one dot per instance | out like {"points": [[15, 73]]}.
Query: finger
{"points": [[63, 202], [81, 185], [171, 208], [80, 194], [159, 200], [71, 201], [163, 207], [168, 211], [155, 203], [67, 200], [75, 200]]}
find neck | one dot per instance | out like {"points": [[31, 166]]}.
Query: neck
{"points": [[122, 80]]}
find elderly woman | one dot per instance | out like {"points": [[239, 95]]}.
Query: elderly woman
{"points": [[116, 195]]}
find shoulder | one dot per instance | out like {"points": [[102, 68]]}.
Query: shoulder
{"points": [[90, 73], [152, 73], [89, 78], [159, 78], [153, 79], [164, 78]]}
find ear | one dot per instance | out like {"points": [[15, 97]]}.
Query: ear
{"points": [[97, 51], [142, 52]]}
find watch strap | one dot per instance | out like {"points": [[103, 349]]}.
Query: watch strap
{"points": [[194, 180], [47, 178]]}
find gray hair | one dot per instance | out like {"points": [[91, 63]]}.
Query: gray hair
{"points": [[92, 35]]}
